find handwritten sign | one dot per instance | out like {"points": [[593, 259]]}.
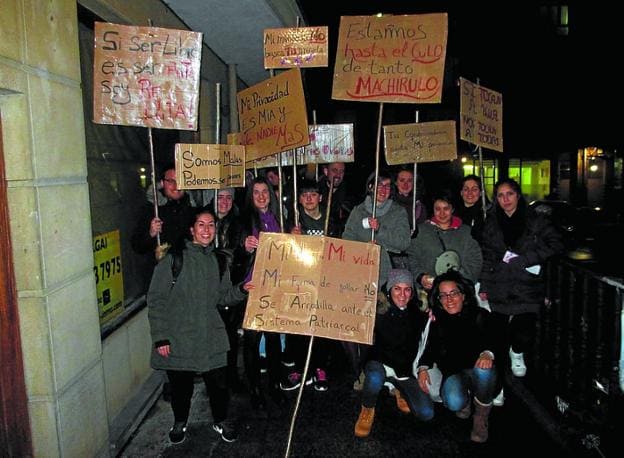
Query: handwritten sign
{"points": [[391, 58], [272, 115], [422, 142], [146, 76], [108, 275], [317, 286], [295, 47], [481, 115], [209, 166], [330, 143]]}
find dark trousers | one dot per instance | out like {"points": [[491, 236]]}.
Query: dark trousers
{"points": [[251, 356], [182, 385], [297, 347], [232, 318], [512, 331]]}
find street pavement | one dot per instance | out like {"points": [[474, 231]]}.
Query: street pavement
{"points": [[324, 428]]}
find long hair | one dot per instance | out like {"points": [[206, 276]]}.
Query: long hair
{"points": [[251, 212], [513, 184], [463, 285]]}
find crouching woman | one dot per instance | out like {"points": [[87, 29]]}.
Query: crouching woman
{"points": [[398, 325], [188, 333], [458, 343]]}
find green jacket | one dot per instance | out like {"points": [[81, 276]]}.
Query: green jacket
{"points": [[185, 316]]}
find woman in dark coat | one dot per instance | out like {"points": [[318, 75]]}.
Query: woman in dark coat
{"points": [[516, 244], [459, 344]]}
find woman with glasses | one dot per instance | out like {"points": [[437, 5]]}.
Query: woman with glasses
{"points": [[459, 344], [391, 232], [517, 242]]}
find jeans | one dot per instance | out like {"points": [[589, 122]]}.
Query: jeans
{"points": [[408, 387]]}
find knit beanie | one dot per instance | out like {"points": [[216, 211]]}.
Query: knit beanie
{"points": [[399, 276], [229, 191]]}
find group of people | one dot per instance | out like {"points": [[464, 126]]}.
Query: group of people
{"points": [[433, 336]]}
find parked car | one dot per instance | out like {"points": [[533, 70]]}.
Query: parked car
{"points": [[574, 226]]}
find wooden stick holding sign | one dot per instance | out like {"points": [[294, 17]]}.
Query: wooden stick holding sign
{"points": [[377, 147]]}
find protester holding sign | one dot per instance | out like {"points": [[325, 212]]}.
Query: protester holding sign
{"points": [[187, 332], [391, 229], [398, 326], [459, 343], [443, 243], [259, 218], [340, 202], [175, 213]]}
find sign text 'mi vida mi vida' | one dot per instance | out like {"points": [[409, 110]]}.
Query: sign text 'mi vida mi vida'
{"points": [[317, 286], [146, 76]]}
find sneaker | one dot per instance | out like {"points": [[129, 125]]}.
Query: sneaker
{"points": [[178, 432], [499, 400], [227, 431], [263, 365], [518, 368], [288, 363], [320, 380], [292, 382]]}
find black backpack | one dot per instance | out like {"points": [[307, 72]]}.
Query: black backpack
{"points": [[224, 259]]}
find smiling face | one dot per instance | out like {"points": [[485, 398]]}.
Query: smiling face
{"points": [[401, 293], [261, 197], [470, 193], [384, 188], [225, 200], [170, 186], [203, 230], [507, 198], [405, 182], [451, 298], [443, 212]]}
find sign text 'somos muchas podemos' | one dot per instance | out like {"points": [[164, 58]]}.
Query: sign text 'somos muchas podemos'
{"points": [[317, 286], [146, 76], [108, 274], [420, 142], [481, 115], [295, 47], [272, 115], [209, 166], [391, 58]]}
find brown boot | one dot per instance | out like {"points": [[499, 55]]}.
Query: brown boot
{"points": [[402, 404], [464, 412], [480, 421], [365, 422]]}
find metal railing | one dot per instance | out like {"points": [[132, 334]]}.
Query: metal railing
{"points": [[578, 353]]}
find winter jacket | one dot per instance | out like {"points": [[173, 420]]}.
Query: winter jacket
{"points": [[456, 341], [511, 289], [397, 333], [185, 315], [432, 241], [393, 234], [473, 217]]}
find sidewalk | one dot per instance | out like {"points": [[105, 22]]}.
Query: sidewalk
{"points": [[325, 425]]}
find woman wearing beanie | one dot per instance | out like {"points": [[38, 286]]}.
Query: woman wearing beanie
{"points": [[398, 326], [392, 234], [459, 343]]}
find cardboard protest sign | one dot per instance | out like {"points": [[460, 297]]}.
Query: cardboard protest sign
{"points": [[481, 115], [295, 47], [420, 142], [146, 76], [272, 115], [330, 143], [391, 58], [317, 286], [108, 275], [209, 166]]}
